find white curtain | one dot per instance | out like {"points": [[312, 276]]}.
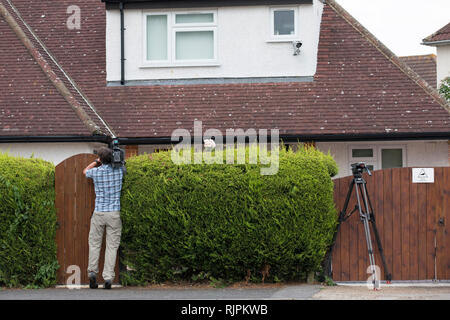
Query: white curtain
{"points": [[157, 37], [194, 45]]}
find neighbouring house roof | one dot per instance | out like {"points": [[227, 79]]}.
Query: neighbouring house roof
{"points": [[439, 37], [424, 65], [361, 89]]}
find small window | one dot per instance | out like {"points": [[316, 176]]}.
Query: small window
{"points": [[391, 158], [194, 18], [284, 23], [362, 153], [365, 154]]}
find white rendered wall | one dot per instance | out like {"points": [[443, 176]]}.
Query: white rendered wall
{"points": [[53, 152], [243, 49], [418, 153], [443, 63]]}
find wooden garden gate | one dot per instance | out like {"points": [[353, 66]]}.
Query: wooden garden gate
{"points": [[75, 201], [413, 221]]}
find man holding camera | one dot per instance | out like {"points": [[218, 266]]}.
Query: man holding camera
{"points": [[108, 186]]}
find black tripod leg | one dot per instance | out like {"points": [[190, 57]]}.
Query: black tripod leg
{"points": [[380, 248], [365, 218], [378, 240], [327, 260]]}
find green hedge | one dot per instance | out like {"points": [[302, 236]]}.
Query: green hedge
{"points": [[226, 222], [27, 222]]}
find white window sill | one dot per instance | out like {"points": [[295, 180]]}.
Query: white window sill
{"points": [[180, 64], [283, 40]]}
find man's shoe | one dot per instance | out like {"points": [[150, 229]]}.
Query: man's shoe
{"points": [[107, 284], [93, 281]]}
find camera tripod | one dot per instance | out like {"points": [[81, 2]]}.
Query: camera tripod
{"points": [[366, 215]]}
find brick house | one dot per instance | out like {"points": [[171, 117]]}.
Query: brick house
{"points": [[74, 73]]}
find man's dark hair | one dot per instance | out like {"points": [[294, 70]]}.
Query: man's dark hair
{"points": [[105, 155]]}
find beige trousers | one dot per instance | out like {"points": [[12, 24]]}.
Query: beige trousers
{"points": [[113, 224]]}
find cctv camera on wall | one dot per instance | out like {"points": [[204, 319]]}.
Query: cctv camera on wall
{"points": [[297, 45]]}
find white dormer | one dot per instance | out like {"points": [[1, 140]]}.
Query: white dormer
{"points": [[234, 40]]}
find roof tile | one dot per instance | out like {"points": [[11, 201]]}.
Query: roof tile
{"points": [[358, 88]]}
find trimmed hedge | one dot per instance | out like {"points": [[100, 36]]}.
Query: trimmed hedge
{"points": [[224, 222], [27, 222]]}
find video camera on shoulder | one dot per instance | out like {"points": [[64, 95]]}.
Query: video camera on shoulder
{"points": [[118, 155]]}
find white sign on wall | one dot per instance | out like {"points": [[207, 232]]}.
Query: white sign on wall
{"points": [[423, 175]]}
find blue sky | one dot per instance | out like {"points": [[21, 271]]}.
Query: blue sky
{"points": [[401, 24]]}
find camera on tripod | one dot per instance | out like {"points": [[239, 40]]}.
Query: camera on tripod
{"points": [[118, 155], [359, 168]]}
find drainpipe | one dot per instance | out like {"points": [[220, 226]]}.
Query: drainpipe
{"points": [[122, 45]]}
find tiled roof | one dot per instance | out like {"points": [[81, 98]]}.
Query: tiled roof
{"points": [[424, 65], [360, 87], [442, 34], [53, 106]]}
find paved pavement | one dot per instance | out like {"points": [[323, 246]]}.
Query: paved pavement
{"points": [[279, 292], [294, 292]]}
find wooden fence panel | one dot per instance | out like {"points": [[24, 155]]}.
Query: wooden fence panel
{"points": [[412, 220]]}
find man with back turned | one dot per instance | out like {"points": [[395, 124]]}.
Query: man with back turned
{"points": [[108, 186]]}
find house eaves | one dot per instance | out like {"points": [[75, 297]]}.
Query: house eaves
{"points": [[436, 43], [438, 38]]}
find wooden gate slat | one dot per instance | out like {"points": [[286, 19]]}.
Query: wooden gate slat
{"points": [[405, 178], [59, 205], [431, 227], [440, 213], [422, 212], [336, 259], [379, 214], [396, 224], [344, 254], [387, 217], [69, 197], [414, 232], [444, 231]]}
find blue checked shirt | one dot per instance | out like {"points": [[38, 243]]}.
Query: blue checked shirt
{"points": [[107, 184]]}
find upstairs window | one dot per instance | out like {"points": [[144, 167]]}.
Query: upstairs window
{"points": [[180, 38], [284, 23]]}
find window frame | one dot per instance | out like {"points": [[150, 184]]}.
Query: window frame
{"points": [[373, 161], [172, 29], [145, 36], [287, 37], [376, 160], [402, 147]]}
